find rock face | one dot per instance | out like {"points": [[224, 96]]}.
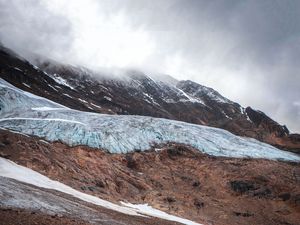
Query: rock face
{"points": [[176, 179], [136, 93]]}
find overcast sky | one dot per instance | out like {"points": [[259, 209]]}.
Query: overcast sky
{"points": [[248, 50]]}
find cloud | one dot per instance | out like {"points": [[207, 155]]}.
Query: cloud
{"points": [[247, 50], [28, 26]]}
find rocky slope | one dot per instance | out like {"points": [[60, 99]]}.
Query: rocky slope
{"points": [[176, 179], [139, 94]]}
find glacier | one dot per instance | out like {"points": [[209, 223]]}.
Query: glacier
{"points": [[29, 114]]}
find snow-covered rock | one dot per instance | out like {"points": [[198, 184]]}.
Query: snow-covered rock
{"points": [[120, 134]]}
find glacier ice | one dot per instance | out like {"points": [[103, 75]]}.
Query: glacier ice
{"points": [[26, 113]]}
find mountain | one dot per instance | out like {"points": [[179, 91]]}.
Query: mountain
{"points": [[85, 147], [136, 93]]}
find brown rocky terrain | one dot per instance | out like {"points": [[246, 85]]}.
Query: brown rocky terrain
{"points": [[173, 178], [139, 94]]}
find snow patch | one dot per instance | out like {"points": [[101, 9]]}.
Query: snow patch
{"points": [[35, 67], [149, 211], [52, 87], [61, 80], [16, 68], [96, 105], [67, 95], [228, 117], [243, 111], [189, 98], [27, 85], [82, 100], [248, 118], [151, 98], [107, 98]]}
